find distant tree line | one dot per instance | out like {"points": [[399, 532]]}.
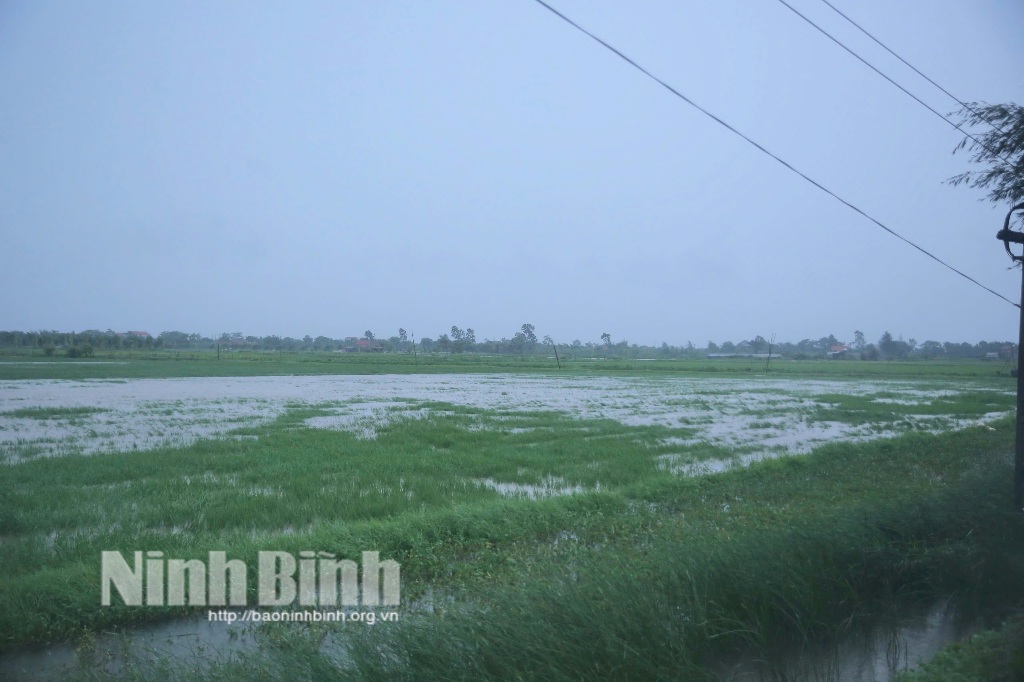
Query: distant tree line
{"points": [[76, 344], [523, 341]]}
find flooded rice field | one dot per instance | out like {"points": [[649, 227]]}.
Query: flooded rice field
{"points": [[755, 418], [546, 437]]}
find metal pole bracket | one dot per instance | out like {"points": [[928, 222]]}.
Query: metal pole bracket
{"points": [[1008, 236]]}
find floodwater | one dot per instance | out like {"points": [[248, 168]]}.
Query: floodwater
{"points": [[196, 643], [193, 644], [552, 486], [181, 640], [756, 417]]}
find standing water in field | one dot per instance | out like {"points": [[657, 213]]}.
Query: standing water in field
{"points": [[195, 644], [770, 416]]}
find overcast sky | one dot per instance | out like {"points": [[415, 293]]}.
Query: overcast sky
{"points": [[327, 168]]}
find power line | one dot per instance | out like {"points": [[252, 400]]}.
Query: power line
{"points": [[914, 68], [728, 127], [905, 91]]}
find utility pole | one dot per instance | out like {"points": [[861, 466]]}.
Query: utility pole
{"points": [[1008, 237], [768, 362]]}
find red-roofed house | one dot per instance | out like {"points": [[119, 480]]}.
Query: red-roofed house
{"points": [[835, 352], [368, 345]]}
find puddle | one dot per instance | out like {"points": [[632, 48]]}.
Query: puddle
{"points": [[194, 643], [552, 486], [675, 464], [363, 419], [193, 639]]}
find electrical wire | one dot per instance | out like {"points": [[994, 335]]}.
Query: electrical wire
{"points": [[762, 149], [903, 89], [953, 97]]}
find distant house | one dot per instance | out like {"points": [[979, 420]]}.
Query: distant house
{"points": [[137, 335], [837, 352], [368, 346]]}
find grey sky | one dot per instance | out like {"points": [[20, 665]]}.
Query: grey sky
{"points": [[327, 168]]}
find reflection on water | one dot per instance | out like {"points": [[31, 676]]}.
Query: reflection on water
{"points": [[188, 639], [873, 655], [194, 644]]}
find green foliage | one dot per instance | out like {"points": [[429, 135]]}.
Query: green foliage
{"points": [[999, 144], [85, 351], [52, 412], [991, 656]]}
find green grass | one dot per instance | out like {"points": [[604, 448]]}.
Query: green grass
{"points": [[411, 493], [671, 608], [52, 412], [857, 409], [293, 477], [991, 656], [665, 576], [161, 363]]}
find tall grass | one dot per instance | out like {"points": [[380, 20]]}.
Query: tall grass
{"points": [[680, 601], [687, 606]]}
